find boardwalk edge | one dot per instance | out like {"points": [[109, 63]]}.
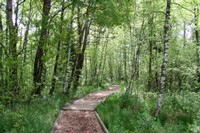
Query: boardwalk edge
{"points": [[101, 123]]}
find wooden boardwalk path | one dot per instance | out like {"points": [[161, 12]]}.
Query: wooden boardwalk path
{"points": [[80, 116]]}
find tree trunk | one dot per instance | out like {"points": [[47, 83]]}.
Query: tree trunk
{"points": [[196, 15], [71, 50], [157, 71], [66, 83], [103, 60], [53, 82], [125, 64], [80, 57], [150, 66], [94, 61], [38, 73], [25, 42], [165, 59], [150, 27], [132, 68], [12, 37], [110, 65], [86, 71], [138, 51], [184, 33], [1, 54], [83, 32]]}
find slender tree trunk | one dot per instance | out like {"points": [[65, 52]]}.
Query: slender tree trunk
{"points": [[150, 52], [125, 64], [80, 58], [74, 53], [137, 66], [196, 15], [110, 65], [39, 62], [165, 59], [1, 54], [69, 79], [102, 60], [184, 33], [66, 83], [86, 71], [95, 61], [150, 67], [135, 60], [53, 82], [83, 32], [25, 42], [71, 50], [138, 51], [157, 72], [12, 36], [132, 70], [171, 80]]}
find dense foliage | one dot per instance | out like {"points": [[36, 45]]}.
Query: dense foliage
{"points": [[133, 113], [51, 49]]}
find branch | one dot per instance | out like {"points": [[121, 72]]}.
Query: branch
{"points": [[183, 7], [1, 6], [161, 12], [57, 12], [19, 3]]}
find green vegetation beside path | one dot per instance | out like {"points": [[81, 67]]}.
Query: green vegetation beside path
{"points": [[39, 115], [132, 113]]}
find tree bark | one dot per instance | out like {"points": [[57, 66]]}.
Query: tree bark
{"points": [[165, 59], [150, 51], [38, 73], [125, 64], [196, 15], [110, 65], [83, 32], [70, 51], [80, 58], [12, 37], [103, 60], [1, 54], [86, 71], [53, 82], [25, 42]]}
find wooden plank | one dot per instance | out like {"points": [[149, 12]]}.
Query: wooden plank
{"points": [[101, 123]]}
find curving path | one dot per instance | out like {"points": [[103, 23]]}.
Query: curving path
{"points": [[80, 116]]}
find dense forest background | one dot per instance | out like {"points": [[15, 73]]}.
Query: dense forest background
{"points": [[55, 50]]}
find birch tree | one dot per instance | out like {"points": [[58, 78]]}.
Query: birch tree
{"points": [[165, 59]]}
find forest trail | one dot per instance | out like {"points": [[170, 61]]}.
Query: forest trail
{"points": [[80, 115]]}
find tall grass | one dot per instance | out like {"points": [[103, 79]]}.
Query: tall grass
{"points": [[39, 115], [130, 113]]}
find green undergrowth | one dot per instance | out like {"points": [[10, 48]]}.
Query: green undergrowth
{"points": [[37, 116], [131, 113]]}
